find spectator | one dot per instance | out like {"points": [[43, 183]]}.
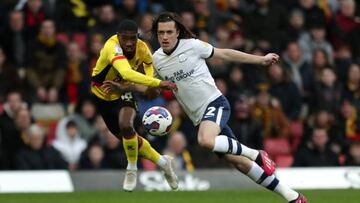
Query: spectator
{"points": [[327, 94], [316, 153], [300, 70], [176, 147], [324, 120], [296, 27], [14, 40], [236, 83], [246, 129], [350, 91], [115, 157], [271, 19], [349, 122], [106, 24], [34, 16], [181, 122], [343, 61], [96, 44], [93, 158], [128, 10], [23, 121], [37, 156], [316, 39], [145, 32], [46, 62], [345, 22], [188, 19], [69, 143], [77, 77], [85, 117], [353, 157], [283, 89], [10, 139], [9, 78], [313, 14], [268, 112], [320, 60]]}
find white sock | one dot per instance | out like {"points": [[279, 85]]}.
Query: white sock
{"points": [[258, 175], [131, 166], [162, 162], [225, 144], [285, 191]]}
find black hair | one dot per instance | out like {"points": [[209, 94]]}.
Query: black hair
{"points": [[71, 124], [184, 33], [127, 25]]}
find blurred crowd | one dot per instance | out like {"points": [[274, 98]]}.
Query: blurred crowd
{"points": [[305, 110]]}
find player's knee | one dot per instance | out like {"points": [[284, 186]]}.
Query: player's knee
{"points": [[127, 130], [205, 141]]}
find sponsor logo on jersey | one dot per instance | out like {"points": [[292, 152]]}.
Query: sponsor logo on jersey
{"points": [[118, 50], [182, 58], [179, 75]]}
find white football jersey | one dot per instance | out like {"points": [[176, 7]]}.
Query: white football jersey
{"points": [[186, 67]]}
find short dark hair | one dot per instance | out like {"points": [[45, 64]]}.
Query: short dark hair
{"points": [[127, 25], [71, 124], [185, 33]]}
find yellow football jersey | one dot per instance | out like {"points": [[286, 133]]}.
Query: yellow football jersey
{"points": [[113, 65]]}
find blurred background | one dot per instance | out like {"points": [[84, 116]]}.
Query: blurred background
{"points": [[304, 110]]}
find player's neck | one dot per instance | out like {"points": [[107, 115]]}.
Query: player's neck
{"points": [[173, 49], [129, 55]]}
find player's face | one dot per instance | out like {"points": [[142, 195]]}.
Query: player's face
{"points": [[128, 41], [167, 35]]}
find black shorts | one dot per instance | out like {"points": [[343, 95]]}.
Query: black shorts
{"points": [[109, 110]]}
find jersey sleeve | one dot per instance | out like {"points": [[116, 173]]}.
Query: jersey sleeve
{"points": [[204, 49], [120, 63]]}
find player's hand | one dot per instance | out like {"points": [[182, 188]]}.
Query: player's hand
{"points": [[110, 86], [165, 84], [270, 59], [152, 92]]}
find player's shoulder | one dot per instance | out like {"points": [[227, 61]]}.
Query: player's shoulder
{"points": [[142, 45], [112, 39], [112, 42]]}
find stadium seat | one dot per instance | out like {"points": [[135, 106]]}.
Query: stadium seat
{"points": [[81, 40], [277, 146], [62, 37], [283, 161]]}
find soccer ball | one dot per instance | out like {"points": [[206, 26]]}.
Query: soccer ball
{"points": [[157, 121]]}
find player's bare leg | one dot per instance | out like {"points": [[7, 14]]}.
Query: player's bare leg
{"points": [[255, 172], [130, 144], [208, 137]]}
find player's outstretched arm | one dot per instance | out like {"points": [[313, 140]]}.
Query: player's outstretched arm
{"points": [[242, 57], [150, 92]]}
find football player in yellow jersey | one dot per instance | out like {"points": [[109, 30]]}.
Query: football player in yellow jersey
{"points": [[118, 62]]}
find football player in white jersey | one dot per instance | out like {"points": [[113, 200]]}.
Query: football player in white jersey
{"points": [[181, 59]]}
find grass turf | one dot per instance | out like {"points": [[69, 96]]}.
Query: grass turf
{"points": [[212, 196]]}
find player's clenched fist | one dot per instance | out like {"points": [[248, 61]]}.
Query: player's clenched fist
{"points": [[168, 85], [270, 59]]}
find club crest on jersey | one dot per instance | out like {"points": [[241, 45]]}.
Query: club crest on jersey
{"points": [[182, 58], [118, 50]]}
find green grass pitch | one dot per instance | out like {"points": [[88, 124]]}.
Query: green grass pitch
{"points": [[212, 196]]}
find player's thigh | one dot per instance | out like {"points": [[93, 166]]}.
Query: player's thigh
{"points": [[126, 116], [208, 130], [215, 117], [109, 110]]}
